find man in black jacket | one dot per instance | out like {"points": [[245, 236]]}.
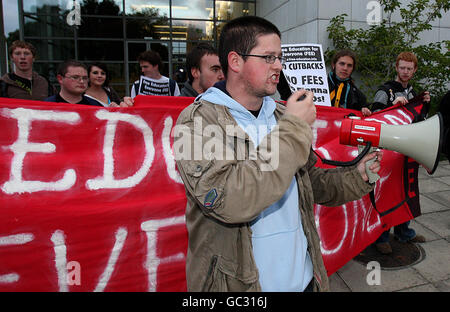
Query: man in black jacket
{"points": [[389, 94], [343, 92], [399, 90], [203, 69]]}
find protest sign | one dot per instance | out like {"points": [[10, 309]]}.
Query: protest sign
{"points": [[148, 86], [305, 69]]}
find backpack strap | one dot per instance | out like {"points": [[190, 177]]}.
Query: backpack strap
{"points": [[3, 89], [172, 86]]}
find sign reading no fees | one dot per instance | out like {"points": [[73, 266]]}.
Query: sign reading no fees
{"points": [[305, 69]]}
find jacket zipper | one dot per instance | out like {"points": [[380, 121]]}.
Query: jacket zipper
{"points": [[210, 270]]}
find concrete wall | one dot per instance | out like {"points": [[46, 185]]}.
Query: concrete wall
{"points": [[306, 21]]}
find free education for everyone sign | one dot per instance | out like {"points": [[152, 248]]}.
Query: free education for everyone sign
{"points": [[305, 69]]}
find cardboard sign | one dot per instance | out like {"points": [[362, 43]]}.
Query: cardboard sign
{"points": [[148, 86], [305, 69]]}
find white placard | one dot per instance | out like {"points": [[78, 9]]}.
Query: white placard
{"points": [[305, 69]]}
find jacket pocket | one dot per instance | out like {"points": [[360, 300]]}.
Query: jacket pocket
{"points": [[196, 169], [223, 275]]}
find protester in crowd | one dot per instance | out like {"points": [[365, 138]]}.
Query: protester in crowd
{"points": [[399, 90], [389, 94], [203, 69], [250, 212], [343, 92], [99, 88], [24, 83], [73, 79], [152, 82]]}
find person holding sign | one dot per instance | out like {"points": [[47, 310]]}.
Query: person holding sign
{"points": [[343, 92], [152, 82], [250, 178]]}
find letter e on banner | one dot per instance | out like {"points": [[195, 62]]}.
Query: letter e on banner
{"points": [[22, 146], [108, 180]]}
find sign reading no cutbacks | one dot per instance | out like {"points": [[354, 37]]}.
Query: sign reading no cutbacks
{"points": [[305, 69]]}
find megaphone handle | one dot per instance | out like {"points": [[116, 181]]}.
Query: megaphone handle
{"points": [[373, 177]]}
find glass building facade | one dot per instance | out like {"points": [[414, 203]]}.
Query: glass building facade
{"points": [[116, 31]]}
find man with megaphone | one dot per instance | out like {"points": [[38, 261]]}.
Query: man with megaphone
{"points": [[389, 94]]}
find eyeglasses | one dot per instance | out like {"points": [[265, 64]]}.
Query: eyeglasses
{"points": [[78, 78], [270, 59]]}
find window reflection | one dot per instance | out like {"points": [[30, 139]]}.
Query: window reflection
{"points": [[199, 9], [46, 26], [97, 7], [227, 10], [94, 27], [54, 49], [134, 48], [91, 50], [133, 7], [110, 27], [45, 6], [193, 30], [146, 28], [102, 7]]}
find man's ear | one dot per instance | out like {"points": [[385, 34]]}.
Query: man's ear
{"points": [[59, 78], [234, 61], [195, 72]]}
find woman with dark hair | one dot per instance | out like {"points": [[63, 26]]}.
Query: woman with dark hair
{"points": [[99, 88]]}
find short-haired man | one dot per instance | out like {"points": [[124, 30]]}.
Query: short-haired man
{"points": [[399, 90], [389, 94], [203, 69], [24, 83], [343, 92], [73, 79], [250, 209], [152, 82]]}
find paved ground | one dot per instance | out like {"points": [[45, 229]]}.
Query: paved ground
{"points": [[432, 274]]}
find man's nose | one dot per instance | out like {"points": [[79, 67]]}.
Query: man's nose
{"points": [[278, 64], [221, 76]]}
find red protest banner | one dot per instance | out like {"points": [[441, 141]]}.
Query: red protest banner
{"points": [[90, 199]]}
